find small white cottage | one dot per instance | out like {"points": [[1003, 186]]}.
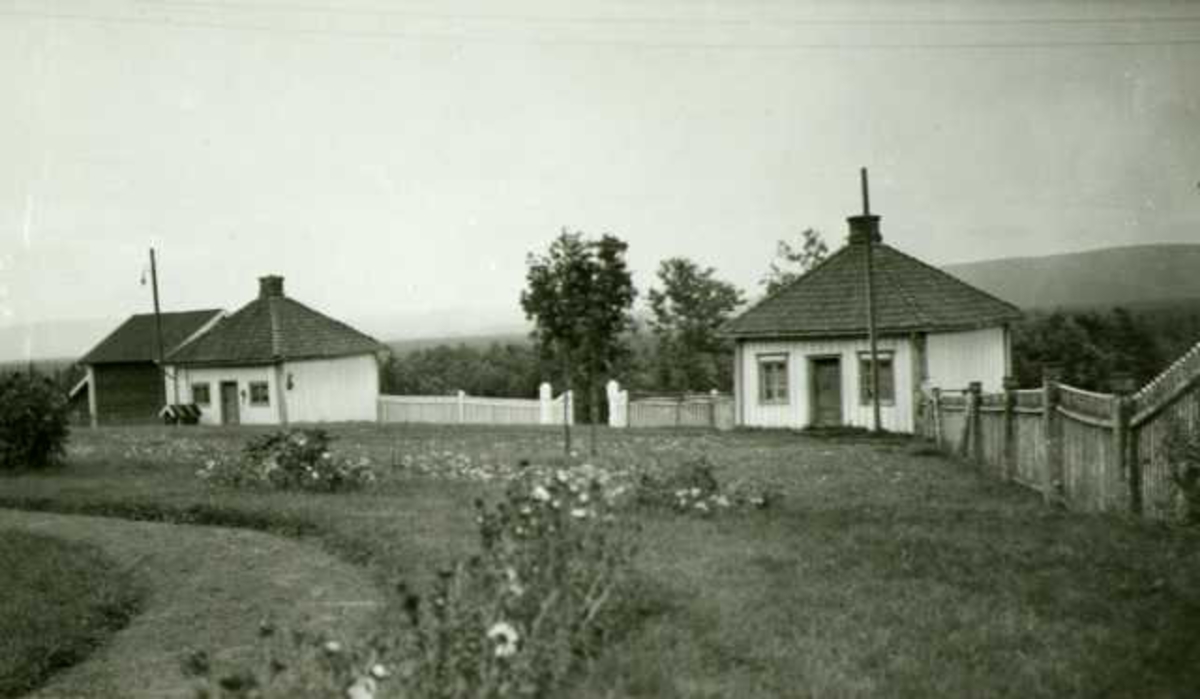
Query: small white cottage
{"points": [[802, 356], [276, 361]]}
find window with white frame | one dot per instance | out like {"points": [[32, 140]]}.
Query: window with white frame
{"points": [[260, 393], [887, 378], [772, 378], [201, 394]]}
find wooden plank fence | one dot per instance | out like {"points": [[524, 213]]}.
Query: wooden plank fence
{"points": [[1089, 451], [712, 410], [461, 409]]}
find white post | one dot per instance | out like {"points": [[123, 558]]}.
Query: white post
{"points": [[545, 404], [462, 406], [569, 397], [616, 411], [93, 418]]}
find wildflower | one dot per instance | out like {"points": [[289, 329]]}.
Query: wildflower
{"points": [[583, 497], [702, 506], [579, 513], [721, 501], [540, 494], [363, 688], [560, 476], [379, 671], [505, 636], [333, 647]]}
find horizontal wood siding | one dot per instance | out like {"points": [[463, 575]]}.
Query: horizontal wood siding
{"points": [[956, 359], [795, 412], [128, 393]]}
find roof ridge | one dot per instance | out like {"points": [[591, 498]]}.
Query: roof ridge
{"points": [[947, 275], [902, 291], [790, 285]]}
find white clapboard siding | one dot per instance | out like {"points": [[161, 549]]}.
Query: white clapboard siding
{"points": [[795, 412], [958, 358], [327, 390]]}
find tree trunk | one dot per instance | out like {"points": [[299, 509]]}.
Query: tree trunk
{"points": [[566, 396], [593, 415]]}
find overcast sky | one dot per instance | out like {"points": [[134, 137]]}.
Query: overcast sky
{"points": [[396, 157]]}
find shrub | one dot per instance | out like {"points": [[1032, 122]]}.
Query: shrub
{"points": [[33, 422], [1183, 459], [513, 620], [289, 460], [693, 487]]}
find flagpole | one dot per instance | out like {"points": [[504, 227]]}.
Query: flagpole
{"points": [[162, 368], [871, 334]]}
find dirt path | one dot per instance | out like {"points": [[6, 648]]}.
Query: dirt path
{"points": [[208, 588]]}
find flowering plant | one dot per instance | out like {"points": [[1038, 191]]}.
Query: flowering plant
{"points": [[693, 488], [289, 460]]}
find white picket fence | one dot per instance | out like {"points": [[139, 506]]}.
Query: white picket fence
{"points": [[711, 409], [461, 409]]}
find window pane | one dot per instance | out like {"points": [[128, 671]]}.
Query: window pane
{"points": [[259, 395], [772, 380], [887, 383], [200, 394]]}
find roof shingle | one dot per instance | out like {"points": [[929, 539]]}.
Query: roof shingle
{"points": [[271, 329], [135, 340], [910, 296]]}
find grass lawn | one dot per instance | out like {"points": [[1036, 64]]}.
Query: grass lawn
{"points": [[59, 601], [882, 573]]}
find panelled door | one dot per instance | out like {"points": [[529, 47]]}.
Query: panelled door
{"points": [[229, 403], [827, 392]]}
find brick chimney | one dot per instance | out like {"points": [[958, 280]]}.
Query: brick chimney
{"points": [[864, 227], [270, 286]]}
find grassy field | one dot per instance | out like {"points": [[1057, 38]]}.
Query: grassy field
{"points": [[59, 601], [884, 571]]}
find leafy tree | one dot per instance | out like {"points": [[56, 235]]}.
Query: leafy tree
{"points": [[503, 371], [33, 422], [791, 263], [687, 312], [579, 295], [1090, 348]]}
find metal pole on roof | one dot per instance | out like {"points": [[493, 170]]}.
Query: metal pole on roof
{"points": [[871, 335], [158, 325]]}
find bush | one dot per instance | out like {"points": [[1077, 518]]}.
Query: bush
{"points": [[514, 620], [289, 460], [33, 422], [693, 487]]}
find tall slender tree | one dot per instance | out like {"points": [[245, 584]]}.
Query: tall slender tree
{"points": [[792, 262], [687, 312], [580, 295]]}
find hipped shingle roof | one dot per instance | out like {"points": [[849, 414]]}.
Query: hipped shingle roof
{"points": [[271, 329], [910, 296]]}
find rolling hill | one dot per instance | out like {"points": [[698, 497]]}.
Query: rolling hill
{"points": [[1134, 276]]}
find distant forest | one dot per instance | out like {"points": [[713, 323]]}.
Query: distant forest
{"points": [[1091, 347]]}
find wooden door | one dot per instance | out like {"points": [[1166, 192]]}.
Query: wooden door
{"points": [[827, 392], [229, 403]]}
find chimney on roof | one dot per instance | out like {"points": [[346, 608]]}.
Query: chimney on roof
{"points": [[270, 286], [865, 226]]}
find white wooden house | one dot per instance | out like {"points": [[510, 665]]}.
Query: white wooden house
{"points": [[275, 361], [802, 356]]}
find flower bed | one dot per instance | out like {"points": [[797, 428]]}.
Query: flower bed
{"points": [[289, 460]]}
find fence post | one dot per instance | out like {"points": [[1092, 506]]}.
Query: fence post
{"points": [[1052, 485], [545, 404], [975, 414], [617, 416], [462, 406], [712, 408], [1008, 469], [937, 417]]}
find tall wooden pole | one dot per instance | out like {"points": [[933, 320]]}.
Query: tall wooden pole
{"points": [[162, 368], [871, 336]]}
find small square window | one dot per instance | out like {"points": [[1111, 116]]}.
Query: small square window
{"points": [[773, 379], [260, 393], [887, 379], [200, 394]]}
